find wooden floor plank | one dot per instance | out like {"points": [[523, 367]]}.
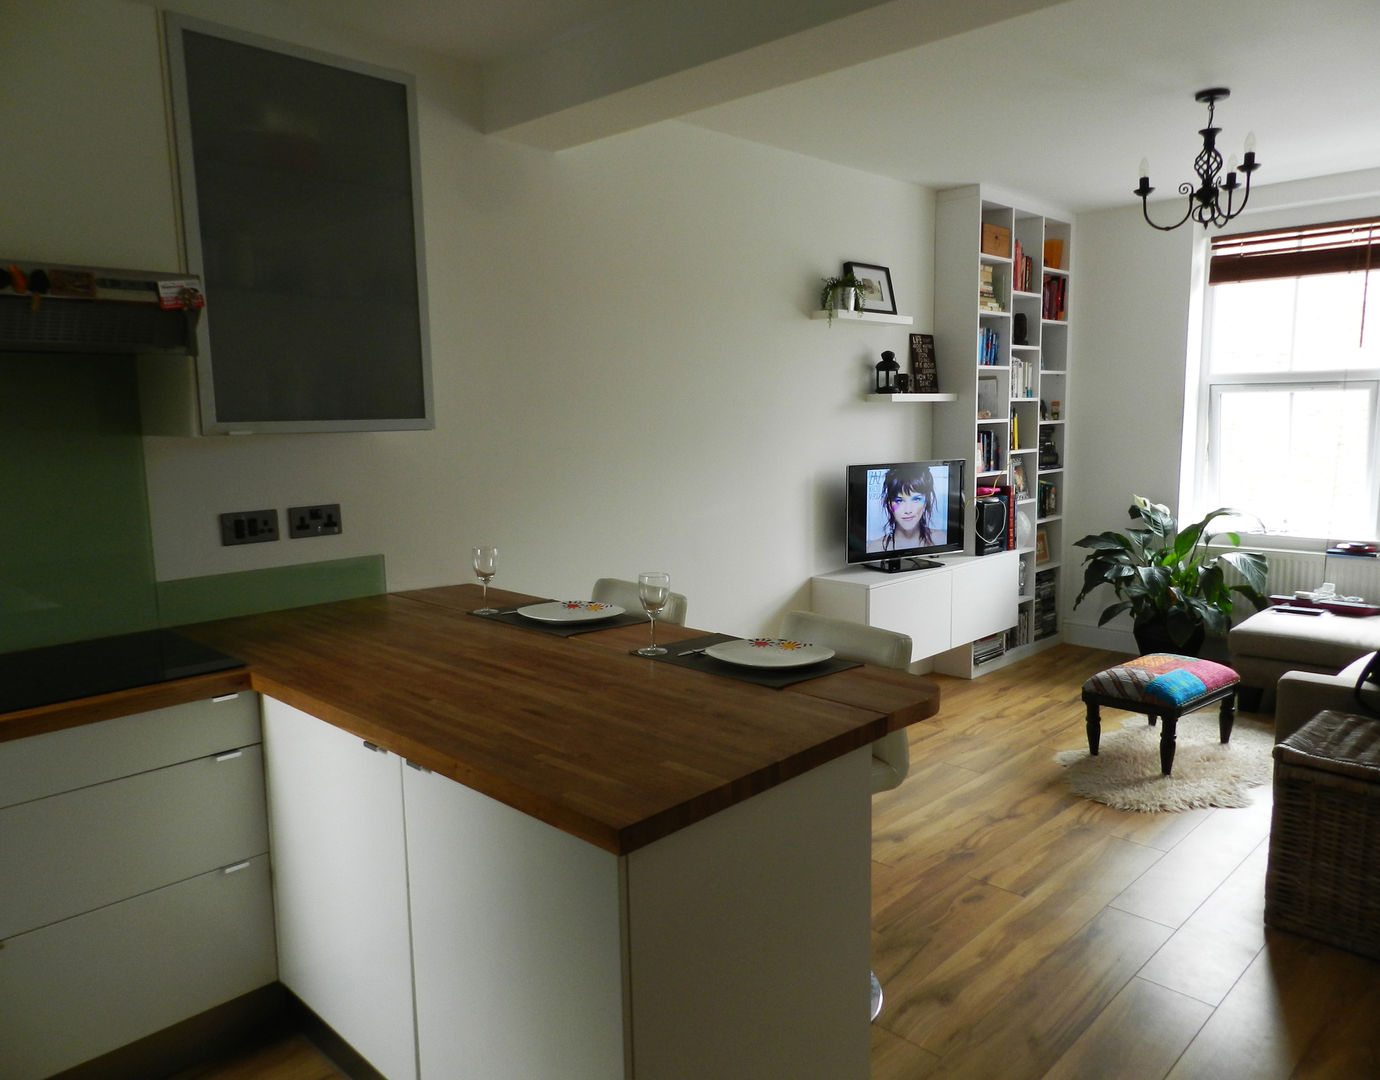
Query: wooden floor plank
{"points": [[1139, 1036], [1040, 1017], [290, 1059], [1197, 866], [979, 975], [1212, 950], [1301, 1009]]}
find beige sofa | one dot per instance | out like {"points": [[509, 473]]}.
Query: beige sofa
{"points": [[1301, 695], [1270, 643]]}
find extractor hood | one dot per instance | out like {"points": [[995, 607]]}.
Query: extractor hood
{"points": [[57, 307]]}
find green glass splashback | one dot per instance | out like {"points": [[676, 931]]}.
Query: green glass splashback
{"points": [[76, 552], [76, 558]]}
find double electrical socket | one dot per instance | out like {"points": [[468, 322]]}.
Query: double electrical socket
{"points": [[259, 526]]}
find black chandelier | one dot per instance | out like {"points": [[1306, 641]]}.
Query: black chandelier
{"points": [[1205, 200]]}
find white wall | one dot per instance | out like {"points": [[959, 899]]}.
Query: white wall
{"points": [[625, 374]]}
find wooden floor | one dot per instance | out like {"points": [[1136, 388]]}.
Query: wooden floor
{"points": [[1023, 934]]}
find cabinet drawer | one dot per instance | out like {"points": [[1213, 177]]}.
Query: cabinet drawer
{"points": [[75, 757], [73, 852], [82, 987]]}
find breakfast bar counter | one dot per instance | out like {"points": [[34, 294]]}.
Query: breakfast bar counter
{"points": [[616, 749]]}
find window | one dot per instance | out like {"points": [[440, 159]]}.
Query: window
{"points": [[1291, 380]]}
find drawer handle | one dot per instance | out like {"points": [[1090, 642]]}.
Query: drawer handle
{"points": [[230, 755], [373, 746], [236, 868], [224, 697], [419, 768]]}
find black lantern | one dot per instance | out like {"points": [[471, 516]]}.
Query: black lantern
{"points": [[887, 368]]}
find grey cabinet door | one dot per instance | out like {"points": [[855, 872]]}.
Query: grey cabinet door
{"points": [[299, 177]]}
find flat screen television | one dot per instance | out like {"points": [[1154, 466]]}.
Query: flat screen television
{"points": [[901, 512]]}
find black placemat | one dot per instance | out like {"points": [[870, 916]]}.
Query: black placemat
{"points": [[511, 617], [690, 654]]}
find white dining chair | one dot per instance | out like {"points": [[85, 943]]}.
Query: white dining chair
{"points": [[609, 590], [870, 645]]}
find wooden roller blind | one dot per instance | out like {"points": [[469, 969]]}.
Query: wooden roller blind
{"points": [[1333, 248]]}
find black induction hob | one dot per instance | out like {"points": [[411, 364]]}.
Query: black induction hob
{"points": [[81, 669]]}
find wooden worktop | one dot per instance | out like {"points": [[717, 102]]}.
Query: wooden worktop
{"points": [[613, 748]]}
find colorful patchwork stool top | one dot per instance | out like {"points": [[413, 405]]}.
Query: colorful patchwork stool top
{"points": [[1162, 684]]}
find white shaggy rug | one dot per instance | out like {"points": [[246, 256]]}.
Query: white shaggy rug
{"points": [[1126, 772]]}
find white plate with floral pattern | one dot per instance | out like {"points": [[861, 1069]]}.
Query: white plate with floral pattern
{"points": [[768, 652], [557, 611]]}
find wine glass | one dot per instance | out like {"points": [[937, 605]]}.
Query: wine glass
{"points": [[485, 567], [653, 589]]}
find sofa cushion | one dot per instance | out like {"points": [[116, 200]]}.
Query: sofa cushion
{"points": [[1325, 642]]}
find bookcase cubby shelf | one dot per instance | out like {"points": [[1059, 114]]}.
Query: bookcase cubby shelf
{"points": [[1002, 295]]}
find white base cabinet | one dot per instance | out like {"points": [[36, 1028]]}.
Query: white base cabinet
{"points": [[340, 883], [967, 598], [737, 946], [134, 884]]}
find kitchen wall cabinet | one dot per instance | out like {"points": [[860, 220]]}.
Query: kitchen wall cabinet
{"points": [[133, 874], [299, 179], [340, 883]]}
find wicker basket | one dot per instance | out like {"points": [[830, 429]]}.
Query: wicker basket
{"points": [[1323, 879]]}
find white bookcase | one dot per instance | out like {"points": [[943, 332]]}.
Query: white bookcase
{"points": [[1013, 389]]}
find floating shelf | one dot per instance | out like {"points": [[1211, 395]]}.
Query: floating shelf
{"points": [[902, 399], [864, 316]]}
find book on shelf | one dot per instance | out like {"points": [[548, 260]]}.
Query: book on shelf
{"points": [[1015, 431], [1022, 378], [1054, 253], [987, 289], [1047, 499], [1054, 298], [989, 346], [1018, 480], [989, 648], [988, 452], [1022, 270]]}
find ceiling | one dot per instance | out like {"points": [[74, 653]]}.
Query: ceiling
{"points": [[1059, 103]]}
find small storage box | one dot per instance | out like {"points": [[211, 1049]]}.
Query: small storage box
{"points": [[1323, 879], [996, 240]]}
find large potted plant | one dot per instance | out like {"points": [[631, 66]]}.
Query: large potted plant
{"points": [[1174, 589]]}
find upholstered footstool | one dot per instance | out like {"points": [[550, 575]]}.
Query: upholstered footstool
{"points": [[1162, 685]]}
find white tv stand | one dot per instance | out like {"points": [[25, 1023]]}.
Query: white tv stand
{"points": [[967, 598]]}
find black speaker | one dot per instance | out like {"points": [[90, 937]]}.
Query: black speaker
{"points": [[989, 526]]}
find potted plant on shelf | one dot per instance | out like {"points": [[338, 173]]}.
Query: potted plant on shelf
{"points": [[1173, 589], [840, 294]]}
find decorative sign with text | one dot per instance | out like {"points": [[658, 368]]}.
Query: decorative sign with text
{"points": [[924, 374]]}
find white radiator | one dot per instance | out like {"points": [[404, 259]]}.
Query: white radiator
{"points": [[1294, 570]]}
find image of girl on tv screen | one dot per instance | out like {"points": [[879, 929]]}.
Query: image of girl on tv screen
{"points": [[911, 510]]}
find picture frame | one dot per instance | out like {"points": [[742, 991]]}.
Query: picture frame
{"points": [[876, 295], [1041, 546], [1018, 480]]}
